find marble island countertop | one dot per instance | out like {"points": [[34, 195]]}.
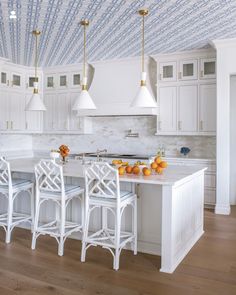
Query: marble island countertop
{"points": [[73, 168]]}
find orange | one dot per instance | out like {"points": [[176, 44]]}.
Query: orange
{"points": [[136, 170], [158, 160], [159, 170], [154, 165], [163, 164], [121, 170], [129, 169], [146, 171]]}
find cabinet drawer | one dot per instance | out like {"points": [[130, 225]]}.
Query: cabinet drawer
{"points": [[210, 180], [210, 196]]}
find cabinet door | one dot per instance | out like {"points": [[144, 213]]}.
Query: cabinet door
{"points": [[168, 111], [49, 114], [75, 80], [207, 108], [168, 71], [4, 79], [188, 69], [61, 111], [208, 68], [17, 110], [17, 80], [62, 81], [4, 115], [50, 81], [33, 119], [187, 108]]}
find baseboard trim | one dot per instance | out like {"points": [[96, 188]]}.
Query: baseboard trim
{"points": [[222, 209]]}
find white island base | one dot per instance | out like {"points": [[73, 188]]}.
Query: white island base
{"points": [[170, 208]]}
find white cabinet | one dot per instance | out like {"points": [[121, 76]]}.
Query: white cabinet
{"points": [[207, 108], [56, 118], [187, 108], [12, 79], [207, 68], [75, 80], [188, 69], [168, 109], [50, 81], [12, 104], [168, 71]]}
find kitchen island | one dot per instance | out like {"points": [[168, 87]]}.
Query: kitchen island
{"points": [[170, 206]]}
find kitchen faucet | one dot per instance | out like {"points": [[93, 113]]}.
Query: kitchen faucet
{"points": [[99, 152]]}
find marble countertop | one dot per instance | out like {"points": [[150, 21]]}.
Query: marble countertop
{"points": [[173, 175]]}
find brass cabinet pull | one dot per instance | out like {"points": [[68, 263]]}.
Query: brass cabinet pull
{"points": [[7, 124]]}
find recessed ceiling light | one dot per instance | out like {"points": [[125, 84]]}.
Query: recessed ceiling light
{"points": [[12, 14]]}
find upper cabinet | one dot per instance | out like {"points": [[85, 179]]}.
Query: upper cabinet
{"points": [[12, 79], [168, 71], [186, 99], [188, 69], [207, 68]]}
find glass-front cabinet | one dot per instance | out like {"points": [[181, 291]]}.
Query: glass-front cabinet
{"points": [[207, 68], [75, 80], [168, 71], [188, 69], [50, 81], [62, 81]]}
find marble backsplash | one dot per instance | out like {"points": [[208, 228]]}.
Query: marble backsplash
{"points": [[110, 133], [10, 143]]}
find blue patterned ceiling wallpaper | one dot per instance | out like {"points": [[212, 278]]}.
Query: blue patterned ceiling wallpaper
{"points": [[114, 32]]}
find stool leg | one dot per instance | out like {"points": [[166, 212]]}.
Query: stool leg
{"points": [[62, 229], [85, 235], [135, 226], [32, 209], [9, 218], [36, 220], [116, 261]]}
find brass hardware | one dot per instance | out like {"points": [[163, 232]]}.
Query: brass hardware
{"points": [[84, 87], [84, 22], [36, 32], [7, 124], [143, 83], [35, 91], [143, 12]]}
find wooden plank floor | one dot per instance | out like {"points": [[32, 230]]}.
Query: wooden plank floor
{"points": [[210, 267]]}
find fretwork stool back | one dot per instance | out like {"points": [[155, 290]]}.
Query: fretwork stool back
{"points": [[50, 186], [11, 188], [102, 190]]}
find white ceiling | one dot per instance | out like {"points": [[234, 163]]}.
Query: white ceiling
{"points": [[114, 32]]}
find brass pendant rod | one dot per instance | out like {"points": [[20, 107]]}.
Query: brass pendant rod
{"points": [[84, 68], [143, 44], [36, 56]]}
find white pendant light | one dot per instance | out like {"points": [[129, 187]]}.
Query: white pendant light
{"points": [[84, 100], [36, 103], [143, 98]]}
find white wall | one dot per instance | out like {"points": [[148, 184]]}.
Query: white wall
{"points": [[233, 140]]}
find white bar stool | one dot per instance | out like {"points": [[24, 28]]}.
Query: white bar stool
{"points": [[11, 188], [102, 190], [50, 187]]}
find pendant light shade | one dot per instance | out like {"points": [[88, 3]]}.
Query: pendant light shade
{"points": [[143, 99], [84, 100], [35, 103]]}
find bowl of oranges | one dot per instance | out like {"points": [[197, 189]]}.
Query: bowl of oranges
{"points": [[156, 167]]}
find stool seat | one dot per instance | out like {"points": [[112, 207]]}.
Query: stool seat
{"points": [[70, 191], [124, 195], [17, 183]]}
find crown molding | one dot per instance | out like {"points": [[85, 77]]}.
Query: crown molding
{"points": [[223, 43]]}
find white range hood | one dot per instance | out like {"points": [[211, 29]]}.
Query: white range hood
{"points": [[114, 86]]}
